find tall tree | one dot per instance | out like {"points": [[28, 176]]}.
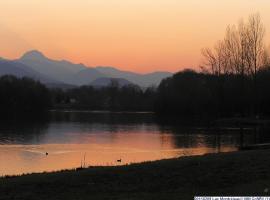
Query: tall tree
{"points": [[241, 52], [256, 33]]}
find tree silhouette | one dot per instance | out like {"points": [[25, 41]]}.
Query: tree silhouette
{"points": [[22, 97]]}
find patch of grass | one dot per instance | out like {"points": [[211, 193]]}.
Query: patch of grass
{"points": [[238, 173]]}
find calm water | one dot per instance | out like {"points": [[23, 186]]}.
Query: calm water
{"points": [[73, 139]]}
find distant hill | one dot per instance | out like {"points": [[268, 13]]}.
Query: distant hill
{"points": [[87, 75], [143, 80], [20, 70], [62, 72], [154, 78], [104, 82], [63, 86]]}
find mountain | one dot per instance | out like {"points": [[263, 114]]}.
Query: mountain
{"points": [[143, 80], [154, 78], [104, 82], [65, 72], [60, 70], [87, 75], [63, 86], [20, 70]]}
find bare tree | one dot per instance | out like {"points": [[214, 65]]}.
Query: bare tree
{"points": [[216, 59], [241, 51], [265, 59], [255, 34], [210, 60]]}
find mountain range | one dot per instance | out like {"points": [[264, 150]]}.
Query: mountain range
{"points": [[103, 82], [62, 73]]}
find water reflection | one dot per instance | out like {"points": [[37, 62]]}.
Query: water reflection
{"points": [[106, 137]]}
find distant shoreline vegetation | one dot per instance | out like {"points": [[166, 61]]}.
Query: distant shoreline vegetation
{"points": [[113, 97], [189, 93], [23, 98], [186, 93]]}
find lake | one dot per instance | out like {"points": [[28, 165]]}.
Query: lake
{"points": [[74, 139]]}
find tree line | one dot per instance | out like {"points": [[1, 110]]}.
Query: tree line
{"points": [[22, 98], [186, 93], [112, 97], [190, 93]]}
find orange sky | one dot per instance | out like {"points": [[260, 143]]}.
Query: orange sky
{"points": [[137, 35]]}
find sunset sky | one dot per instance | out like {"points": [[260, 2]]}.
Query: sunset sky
{"points": [[136, 35]]}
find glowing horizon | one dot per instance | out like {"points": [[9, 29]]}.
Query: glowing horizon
{"points": [[140, 36]]}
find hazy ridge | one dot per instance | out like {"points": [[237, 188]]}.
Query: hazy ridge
{"points": [[35, 64]]}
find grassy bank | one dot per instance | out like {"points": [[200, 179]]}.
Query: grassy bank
{"points": [[239, 173]]}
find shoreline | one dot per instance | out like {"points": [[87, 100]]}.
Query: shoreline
{"points": [[235, 173], [88, 167]]}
